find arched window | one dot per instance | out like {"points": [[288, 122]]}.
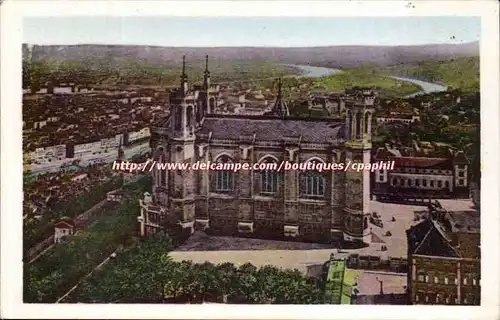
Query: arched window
{"points": [[211, 103], [178, 119], [224, 179], [368, 120], [162, 173], [313, 183], [358, 125], [189, 116], [349, 124], [160, 176], [268, 179], [447, 184]]}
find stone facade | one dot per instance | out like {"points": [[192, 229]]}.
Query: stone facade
{"points": [[313, 206]]}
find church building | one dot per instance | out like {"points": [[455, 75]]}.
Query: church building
{"points": [[329, 206]]}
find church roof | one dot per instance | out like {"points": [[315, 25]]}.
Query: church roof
{"points": [[269, 129]]}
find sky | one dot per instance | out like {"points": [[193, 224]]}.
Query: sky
{"points": [[250, 31]]}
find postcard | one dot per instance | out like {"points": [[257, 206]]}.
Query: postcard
{"points": [[250, 160]]}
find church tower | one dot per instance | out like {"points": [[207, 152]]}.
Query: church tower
{"points": [[180, 149], [359, 111]]}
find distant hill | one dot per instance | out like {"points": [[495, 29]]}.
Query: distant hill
{"points": [[331, 56]]}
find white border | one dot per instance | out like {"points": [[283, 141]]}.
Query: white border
{"points": [[11, 178]]}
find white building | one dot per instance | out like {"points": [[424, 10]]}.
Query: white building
{"points": [[63, 229], [138, 135]]}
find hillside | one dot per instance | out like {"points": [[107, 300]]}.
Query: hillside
{"points": [[332, 56], [462, 73]]}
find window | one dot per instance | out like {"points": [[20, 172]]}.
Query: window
{"points": [[447, 184], [336, 275], [224, 179], [436, 280], [178, 119], [394, 181], [465, 281], [268, 179], [349, 124], [417, 297], [424, 183], [455, 281], [421, 278], [461, 174], [367, 121], [474, 282], [426, 298], [409, 182], [445, 280], [162, 173], [189, 116], [417, 182], [461, 181], [432, 183], [314, 184], [440, 184], [426, 278], [358, 125]]}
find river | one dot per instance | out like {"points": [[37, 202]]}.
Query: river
{"points": [[317, 72]]}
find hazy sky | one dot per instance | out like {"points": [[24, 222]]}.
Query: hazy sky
{"points": [[245, 31]]}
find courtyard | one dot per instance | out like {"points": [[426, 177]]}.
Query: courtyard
{"points": [[308, 257]]}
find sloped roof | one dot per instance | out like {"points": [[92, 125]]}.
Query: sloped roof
{"points": [[269, 129], [428, 238]]}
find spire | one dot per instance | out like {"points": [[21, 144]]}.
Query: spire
{"points": [[184, 76], [280, 108], [280, 93], [206, 75]]}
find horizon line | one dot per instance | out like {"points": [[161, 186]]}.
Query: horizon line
{"points": [[257, 47]]}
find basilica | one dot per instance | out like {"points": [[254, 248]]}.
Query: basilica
{"points": [[302, 205]]}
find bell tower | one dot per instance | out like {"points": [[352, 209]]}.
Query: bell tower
{"points": [[359, 111], [181, 150]]}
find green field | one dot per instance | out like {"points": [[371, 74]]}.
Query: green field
{"points": [[366, 77], [460, 73]]}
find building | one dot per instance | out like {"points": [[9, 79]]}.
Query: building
{"points": [[406, 118], [444, 258], [311, 206], [65, 227], [333, 103], [421, 176], [115, 196]]}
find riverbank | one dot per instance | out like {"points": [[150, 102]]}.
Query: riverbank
{"points": [[337, 80]]}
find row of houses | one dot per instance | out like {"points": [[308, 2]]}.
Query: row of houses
{"points": [[103, 146]]}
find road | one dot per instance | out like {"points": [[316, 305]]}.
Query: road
{"points": [[88, 275]]}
